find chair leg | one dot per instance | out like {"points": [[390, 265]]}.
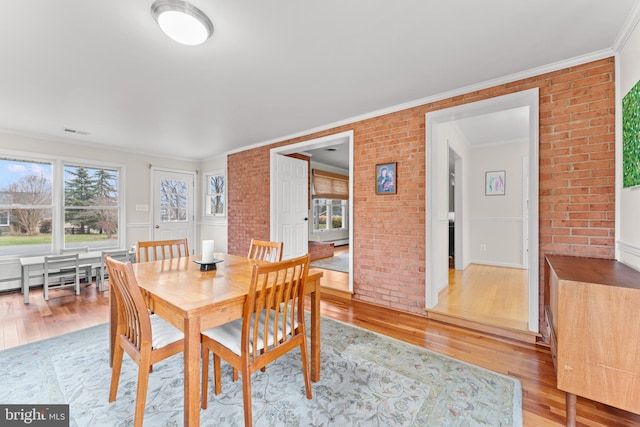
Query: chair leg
{"points": [[115, 371], [141, 395], [205, 377], [246, 396], [235, 375], [305, 369], [216, 374]]}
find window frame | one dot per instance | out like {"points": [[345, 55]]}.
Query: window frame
{"points": [[58, 164], [207, 205], [119, 207], [329, 204], [8, 222]]}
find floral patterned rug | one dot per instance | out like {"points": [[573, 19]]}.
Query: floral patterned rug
{"points": [[366, 380]]}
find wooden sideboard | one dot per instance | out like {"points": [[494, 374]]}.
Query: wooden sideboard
{"points": [[592, 316]]}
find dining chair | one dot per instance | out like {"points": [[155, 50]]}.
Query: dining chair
{"points": [[272, 324], [162, 249], [60, 269], [147, 338], [265, 250], [101, 270]]}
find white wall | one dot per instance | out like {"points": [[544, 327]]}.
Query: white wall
{"points": [[497, 221], [451, 138], [212, 228], [137, 185], [447, 136], [628, 217]]}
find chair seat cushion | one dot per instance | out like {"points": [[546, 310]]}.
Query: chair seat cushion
{"points": [[230, 334], [164, 333]]}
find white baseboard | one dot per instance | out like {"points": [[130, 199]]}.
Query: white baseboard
{"points": [[497, 264]]}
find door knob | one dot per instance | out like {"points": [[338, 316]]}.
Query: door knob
{"points": [[157, 226]]}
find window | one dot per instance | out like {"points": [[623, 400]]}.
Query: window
{"points": [[173, 200], [91, 207], [329, 214], [26, 203], [215, 201], [46, 205], [4, 219], [330, 201]]}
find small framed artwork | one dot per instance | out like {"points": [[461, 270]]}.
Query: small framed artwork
{"points": [[386, 178], [494, 183]]}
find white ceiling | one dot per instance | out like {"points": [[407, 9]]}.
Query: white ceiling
{"points": [[272, 68], [335, 155], [496, 128]]}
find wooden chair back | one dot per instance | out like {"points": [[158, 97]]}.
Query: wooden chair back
{"points": [[162, 249], [272, 324], [133, 322], [135, 330], [275, 308], [265, 250]]}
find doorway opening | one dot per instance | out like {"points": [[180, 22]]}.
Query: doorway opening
{"points": [[343, 139], [474, 219]]}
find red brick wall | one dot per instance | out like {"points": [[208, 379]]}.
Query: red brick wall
{"points": [[576, 183]]}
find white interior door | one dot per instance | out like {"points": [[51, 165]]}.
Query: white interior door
{"points": [[292, 206], [173, 211]]}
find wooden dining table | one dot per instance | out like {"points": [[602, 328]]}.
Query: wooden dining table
{"points": [[194, 300]]}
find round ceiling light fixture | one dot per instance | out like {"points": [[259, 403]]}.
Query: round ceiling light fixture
{"points": [[182, 21]]}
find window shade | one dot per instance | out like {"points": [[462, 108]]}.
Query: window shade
{"points": [[327, 185]]}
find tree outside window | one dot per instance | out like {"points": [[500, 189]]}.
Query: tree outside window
{"points": [[173, 200], [26, 206], [215, 199], [91, 206]]}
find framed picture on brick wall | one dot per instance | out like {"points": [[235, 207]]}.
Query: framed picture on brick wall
{"points": [[494, 183], [386, 178]]}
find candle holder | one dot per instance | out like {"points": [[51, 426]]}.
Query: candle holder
{"points": [[207, 266]]}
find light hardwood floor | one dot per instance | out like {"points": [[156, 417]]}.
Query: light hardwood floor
{"points": [[487, 294], [336, 280], [543, 404]]}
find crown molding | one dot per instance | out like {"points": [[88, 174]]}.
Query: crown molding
{"points": [[578, 60], [627, 28]]}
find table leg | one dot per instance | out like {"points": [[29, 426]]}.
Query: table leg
{"points": [[191, 372], [571, 409], [315, 333]]}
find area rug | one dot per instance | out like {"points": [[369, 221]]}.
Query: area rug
{"points": [[337, 263], [366, 380]]}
